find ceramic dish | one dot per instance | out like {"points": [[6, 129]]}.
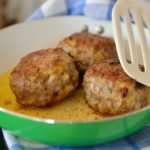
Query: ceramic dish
{"points": [[21, 39]]}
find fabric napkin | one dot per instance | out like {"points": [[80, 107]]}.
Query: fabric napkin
{"points": [[96, 9]]}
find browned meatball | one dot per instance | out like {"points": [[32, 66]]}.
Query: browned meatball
{"points": [[44, 77], [110, 91], [85, 48]]}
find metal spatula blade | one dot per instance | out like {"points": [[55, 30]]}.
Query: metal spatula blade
{"points": [[137, 66]]}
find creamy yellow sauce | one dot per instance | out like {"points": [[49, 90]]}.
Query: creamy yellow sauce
{"points": [[73, 108]]}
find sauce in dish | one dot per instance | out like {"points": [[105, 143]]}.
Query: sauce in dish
{"points": [[73, 108]]}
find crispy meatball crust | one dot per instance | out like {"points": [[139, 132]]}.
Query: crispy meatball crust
{"points": [[85, 48], [110, 91], [44, 77]]}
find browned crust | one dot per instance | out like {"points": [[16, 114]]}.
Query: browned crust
{"points": [[110, 70], [90, 40], [51, 57], [42, 77], [90, 46], [110, 91]]}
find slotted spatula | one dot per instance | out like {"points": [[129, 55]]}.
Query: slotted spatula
{"points": [[125, 12]]}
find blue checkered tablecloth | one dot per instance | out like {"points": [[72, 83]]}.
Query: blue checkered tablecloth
{"points": [[96, 9]]}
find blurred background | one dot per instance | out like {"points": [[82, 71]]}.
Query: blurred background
{"points": [[14, 11]]}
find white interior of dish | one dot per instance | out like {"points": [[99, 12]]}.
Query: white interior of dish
{"points": [[18, 40]]}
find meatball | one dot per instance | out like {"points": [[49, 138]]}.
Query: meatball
{"points": [[44, 77], [110, 91], [85, 48]]}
